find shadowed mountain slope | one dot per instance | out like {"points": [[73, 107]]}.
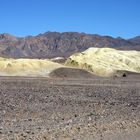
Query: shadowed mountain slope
{"points": [[54, 44], [65, 72]]}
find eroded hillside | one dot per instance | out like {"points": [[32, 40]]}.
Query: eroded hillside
{"points": [[26, 67], [105, 61]]}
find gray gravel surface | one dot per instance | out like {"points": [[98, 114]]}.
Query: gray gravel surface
{"points": [[69, 109]]}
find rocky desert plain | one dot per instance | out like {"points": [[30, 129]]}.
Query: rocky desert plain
{"points": [[91, 95]]}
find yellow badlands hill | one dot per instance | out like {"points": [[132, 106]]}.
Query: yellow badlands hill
{"points": [[26, 67], [105, 61]]}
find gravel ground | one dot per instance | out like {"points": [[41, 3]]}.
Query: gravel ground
{"points": [[69, 109]]}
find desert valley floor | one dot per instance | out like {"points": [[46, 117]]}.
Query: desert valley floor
{"points": [[69, 109]]}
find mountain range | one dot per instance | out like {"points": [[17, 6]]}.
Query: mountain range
{"points": [[55, 44]]}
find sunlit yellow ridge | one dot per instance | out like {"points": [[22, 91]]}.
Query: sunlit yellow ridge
{"points": [[105, 61], [26, 67]]}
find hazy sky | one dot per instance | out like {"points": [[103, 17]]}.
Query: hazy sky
{"points": [[104, 17]]}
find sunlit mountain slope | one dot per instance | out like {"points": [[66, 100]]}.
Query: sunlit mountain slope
{"points": [[105, 61]]}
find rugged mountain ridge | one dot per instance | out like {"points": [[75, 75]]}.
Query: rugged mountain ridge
{"points": [[54, 44]]}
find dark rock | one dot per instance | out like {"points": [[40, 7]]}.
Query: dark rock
{"points": [[54, 44]]}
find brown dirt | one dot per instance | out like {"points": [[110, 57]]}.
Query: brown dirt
{"points": [[71, 73], [69, 109], [127, 74]]}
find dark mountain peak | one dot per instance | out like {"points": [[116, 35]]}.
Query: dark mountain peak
{"points": [[48, 33], [135, 40], [7, 37], [136, 37], [120, 38], [54, 44]]}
